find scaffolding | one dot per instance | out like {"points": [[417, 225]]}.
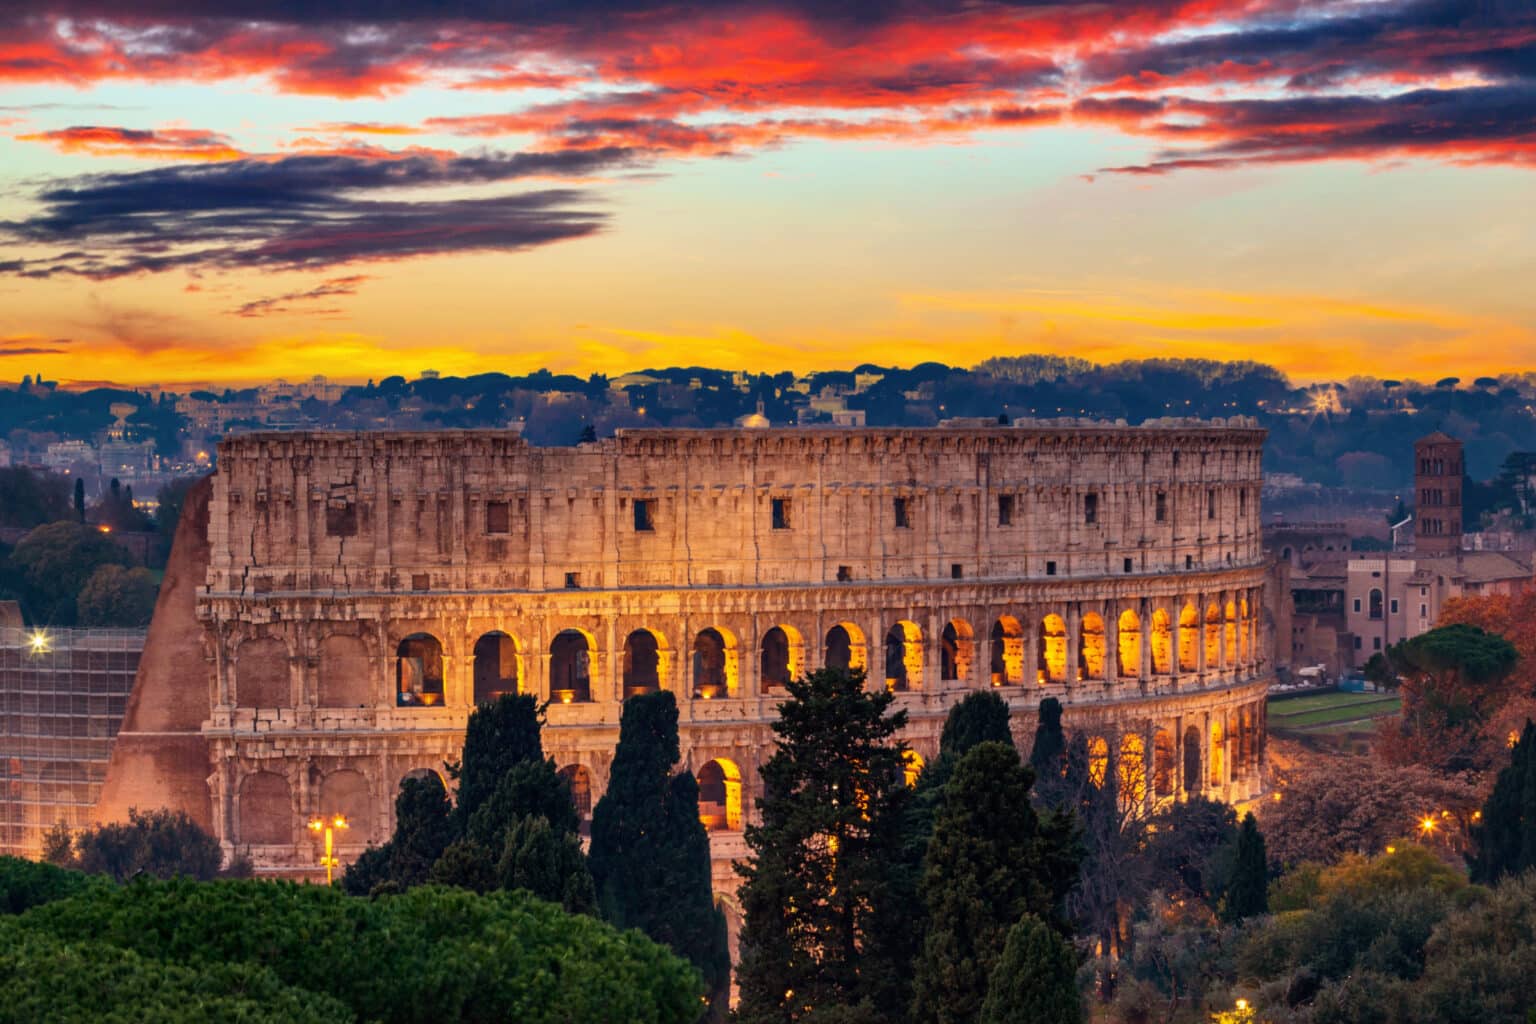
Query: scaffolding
{"points": [[62, 695]]}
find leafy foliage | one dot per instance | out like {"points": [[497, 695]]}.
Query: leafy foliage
{"points": [[1035, 980], [498, 737], [29, 498], [116, 596], [26, 883], [650, 853], [1506, 837], [1452, 679], [55, 562], [160, 843], [1184, 846], [1247, 891], [817, 888]]}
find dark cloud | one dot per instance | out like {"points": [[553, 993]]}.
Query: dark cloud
{"points": [[298, 212], [7, 350], [334, 288]]}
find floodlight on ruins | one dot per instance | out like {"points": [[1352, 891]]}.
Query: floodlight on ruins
{"points": [[328, 827]]}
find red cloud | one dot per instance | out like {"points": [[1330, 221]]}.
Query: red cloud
{"points": [[161, 144]]}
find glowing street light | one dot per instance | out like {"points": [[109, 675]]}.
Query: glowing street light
{"points": [[1428, 824], [38, 643], [328, 826]]}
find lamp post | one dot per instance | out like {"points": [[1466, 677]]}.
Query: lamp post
{"points": [[328, 827]]}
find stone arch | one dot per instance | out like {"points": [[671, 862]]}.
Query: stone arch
{"points": [[262, 679], [904, 657], [1098, 760], [570, 666], [720, 795], [346, 673], [715, 661], [266, 810], [498, 667], [845, 648], [1090, 646], [1191, 760], [1162, 763], [1162, 643], [912, 765], [419, 670], [1231, 635], [424, 773], [644, 663], [1189, 639], [346, 792], [1053, 649], [1128, 644], [578, 779], [1218, 757], [1007, 651], [1212, 636], [1131, 772], [956, 644], [1245, 623], [782, 657]]}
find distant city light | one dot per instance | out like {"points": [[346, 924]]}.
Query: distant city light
{"points": [[39, 643]]}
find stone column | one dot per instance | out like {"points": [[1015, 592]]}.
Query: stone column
{"points": [[1111, 616], [1146, 612], [1029, 644], [1074, 642]]}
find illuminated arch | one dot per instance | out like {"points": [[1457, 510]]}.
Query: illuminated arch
{"points": [[1128, 644], [1212, 636], [912, 765], [1245, 623], [715, 661], [1231, 634], [1191, 760], [1162, 643], [782, 657], [904, 657], [419, 671], [1162, 763], [1189, 639], [570, 666], [720, 795], [1053, 649], [644, 663], [1131, 772], [955, 646], [1218, 756], [1007, 652], [1090, 647], [1098, 760], [845, 648], [578, 780], [498, 667]]}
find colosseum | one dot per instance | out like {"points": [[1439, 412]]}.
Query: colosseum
{"points": [[337, 603]]}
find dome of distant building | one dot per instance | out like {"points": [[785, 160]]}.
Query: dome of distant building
{"points": [[754, 420]]}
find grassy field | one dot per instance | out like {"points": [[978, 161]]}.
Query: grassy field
{"points": [[1331, 713]]}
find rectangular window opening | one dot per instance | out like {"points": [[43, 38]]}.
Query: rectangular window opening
{"points": [[780, 508], [1050, 568], [903, 519], [1130, 565], [1210, 503], [844, 574], [1189, 561], [1162, 507], [1004, 510], [498, 517], [955, 571], [645, 514], [573, 581], [340, 518], [1090, 508]]}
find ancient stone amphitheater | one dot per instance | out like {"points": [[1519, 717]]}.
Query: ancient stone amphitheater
{"points": [[338, 602]]}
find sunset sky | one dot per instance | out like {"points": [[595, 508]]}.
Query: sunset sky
{"points": [[604, 185]]}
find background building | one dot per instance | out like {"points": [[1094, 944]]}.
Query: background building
{"points": [[1437, 481]]}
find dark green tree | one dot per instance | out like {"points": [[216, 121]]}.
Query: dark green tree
{"points": [[80, 499], [816, 889], [547, 863], [423, 829], [56, 560], [1247, 893], [498, 737], [1452, 679], [1505, 840], [1184, 846], [988, 864], [981, 717], [29, 498], [116, 596], [1048, 755], [650, 852], [1035, 980], [159, 843]]}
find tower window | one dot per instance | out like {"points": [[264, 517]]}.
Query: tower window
{"points": [[780, 508], [645, 515]]}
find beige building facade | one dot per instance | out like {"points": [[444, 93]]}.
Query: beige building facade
{"points": [[338, 602]]}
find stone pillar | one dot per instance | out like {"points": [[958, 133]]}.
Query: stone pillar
{"points": [[612, 686], [1200, 634], [1029, 647], [1110, 614], [1146, 611], [1074, 618]]}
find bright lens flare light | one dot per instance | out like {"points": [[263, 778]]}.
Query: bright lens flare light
{"points": [[1428, 824], [38, 643]]}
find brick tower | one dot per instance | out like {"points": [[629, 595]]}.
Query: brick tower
{"points": [[1437, 494]]}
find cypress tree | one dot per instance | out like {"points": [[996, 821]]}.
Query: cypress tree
{"points": [[817, 894], [982, 717], [1505, 841], [80, 498], [1035, 980], [423, 829], [1248, 891], [650, 853], [1048, 755], [498, 737], [987, 865], [547, 863]]}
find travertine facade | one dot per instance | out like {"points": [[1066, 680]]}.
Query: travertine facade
{"points": [[361, 590]]}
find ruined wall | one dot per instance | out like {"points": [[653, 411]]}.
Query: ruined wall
{"points": [[363, 589]]}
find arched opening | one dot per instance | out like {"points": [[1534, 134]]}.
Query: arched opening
{"points": [[424, 773], [845, 647], [955, 651], [1189, 639], [1128, 643], [570, 667], [1218, 754], [642, 663], [419, 671], [1162, 763], [714, 664], [1191, 760], [1053, 649], [720, 795], [912, 765], [346, 678], [497, 667], [261, 674], [783, 657], [1007, 652], [345, 792], [266, 810], [1244, 621], [1231, 634], [903, 657], [1375, 603], [1162, 643], [1090, 647], [1098, 760], [1212, 637], [1131, 771], [579, 781]]}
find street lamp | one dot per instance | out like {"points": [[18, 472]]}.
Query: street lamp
{"points": [[328, 827]]}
